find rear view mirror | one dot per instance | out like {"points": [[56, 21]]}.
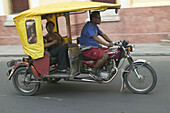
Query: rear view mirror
{"points": [[116, 10], [125, 43]]}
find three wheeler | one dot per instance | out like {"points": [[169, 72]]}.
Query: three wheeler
{"points": [[28, 73]]}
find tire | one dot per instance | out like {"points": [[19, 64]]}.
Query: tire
{"points": [[22, 84], [140, 86]]}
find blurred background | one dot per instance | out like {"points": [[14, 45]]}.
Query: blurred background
{"points": [[139, 21]]}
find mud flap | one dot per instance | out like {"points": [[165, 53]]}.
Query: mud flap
{"points": [[123, 85], [10, 74]]}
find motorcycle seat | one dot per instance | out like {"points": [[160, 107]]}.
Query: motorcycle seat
{"points": [[82, 57]]}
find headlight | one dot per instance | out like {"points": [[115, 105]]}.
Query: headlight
{"points": [[131, 48]]}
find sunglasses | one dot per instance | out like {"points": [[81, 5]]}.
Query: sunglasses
{"points": [[98, 18]]}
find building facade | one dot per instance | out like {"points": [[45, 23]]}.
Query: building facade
{"points": [[140, 21]]}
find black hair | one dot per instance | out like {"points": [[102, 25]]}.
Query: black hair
{"points": [[49, 23], [94, 14]]}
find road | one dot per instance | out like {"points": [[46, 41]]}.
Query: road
{"points": [[73, 97]]}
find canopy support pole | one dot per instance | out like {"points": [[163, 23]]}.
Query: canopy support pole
{"points": [[68, 28]]}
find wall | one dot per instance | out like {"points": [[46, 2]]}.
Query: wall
{"points": [[148, 3], [8, 7], [139, 25], [45, 2], [142, 3], [8, 35]]}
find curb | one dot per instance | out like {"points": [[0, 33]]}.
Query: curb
{"points": [[150, 54], [13, 55]]}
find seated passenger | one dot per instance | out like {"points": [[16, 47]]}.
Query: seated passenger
{"points": [[32, 34], [55, 45]]}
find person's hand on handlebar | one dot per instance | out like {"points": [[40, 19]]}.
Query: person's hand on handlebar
{"points": [[110, 44], [116, 43]]}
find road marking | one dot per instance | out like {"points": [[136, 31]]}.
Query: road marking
{"points": [[48, 98], [52, 98]]}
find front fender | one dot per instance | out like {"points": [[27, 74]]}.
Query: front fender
{"points": [[141, 60], [22, 64], [12, 71], [136, 61]]}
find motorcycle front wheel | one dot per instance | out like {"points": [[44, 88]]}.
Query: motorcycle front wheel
{"points": [[144, 82], [25, 82]]}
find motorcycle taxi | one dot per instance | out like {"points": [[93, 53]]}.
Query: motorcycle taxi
{"points": [[28, 74]]}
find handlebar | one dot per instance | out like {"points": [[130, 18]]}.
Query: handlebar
{"points": [[117, 43], [121, 44]]}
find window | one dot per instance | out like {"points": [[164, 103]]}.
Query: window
{"points": [[31, 31], [19, 5], [62, 26]]}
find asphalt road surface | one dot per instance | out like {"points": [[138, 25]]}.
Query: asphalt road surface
{"points": [[76, 97]]}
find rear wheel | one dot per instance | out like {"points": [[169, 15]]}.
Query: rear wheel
{"points": [[25, 82], [145, 82]]}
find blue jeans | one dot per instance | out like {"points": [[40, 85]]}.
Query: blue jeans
{"points": [[61, 53]]}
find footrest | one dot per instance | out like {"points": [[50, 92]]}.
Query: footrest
{"points": [[57, 75]]}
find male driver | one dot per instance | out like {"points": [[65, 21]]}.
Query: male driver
{"points": [[89, 37]]}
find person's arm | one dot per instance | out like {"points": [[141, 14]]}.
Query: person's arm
{"points": [[32, 39], [50, 43], [97, 39], [106, 37], [62, 40]]}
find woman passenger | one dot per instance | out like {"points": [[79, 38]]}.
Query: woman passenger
{"points": [[55, 45]]}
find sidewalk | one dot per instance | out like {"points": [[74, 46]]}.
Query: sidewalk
{"points": [[151, 50], [140, 50]]}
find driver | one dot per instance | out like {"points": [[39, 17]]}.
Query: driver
{"points": [[89, 37]]}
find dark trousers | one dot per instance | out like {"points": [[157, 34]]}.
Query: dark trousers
{"points": [[61, 53]]}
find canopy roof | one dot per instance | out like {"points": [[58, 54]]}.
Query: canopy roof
{"points": [[66, 7]]}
